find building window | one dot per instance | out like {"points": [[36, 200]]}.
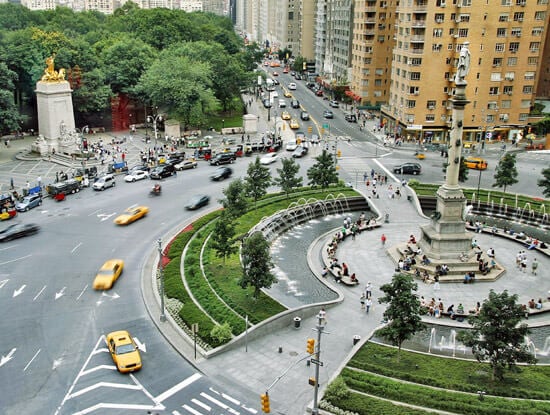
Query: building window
{"points": [[430, 117], [497, 62], [540, 15], [542, 2], [516, 31], [523, 116], [437, 32], [512, 61], [501, 32], [463, 32], [510, 76], [450, 46], [411, 103], [507, 90], [505, 2], [490, 118], [499, 47], [525, 103], [379, 71], [518, 16], [529, 76], [495, 76], [503, 117], [505, 104], [436, 47], [503, 17], [413, 90], [439, 17], [416, 61], [528, 89], [513, 47], [415, 76], [492, 105], [534, 46], [537, 31], [493, 90], [430, 105], [533, 60]]}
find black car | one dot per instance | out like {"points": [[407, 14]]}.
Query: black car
{"points": [[408, 168], [295, 103], [221, 173], [197, 202], [267, 103], [222, 158], [350, 117], [164, 170], [140, 167], [328, 114], [18, 230], [304, 116]]}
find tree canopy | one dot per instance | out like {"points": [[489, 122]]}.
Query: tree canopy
{"points": [[323, 172], [288, 175], [257, 263], [257, 180], [506, 172], [545, 182]]}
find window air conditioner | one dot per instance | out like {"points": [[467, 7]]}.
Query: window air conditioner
{"points": [[509, 93], [431, 107], [442, 5]]}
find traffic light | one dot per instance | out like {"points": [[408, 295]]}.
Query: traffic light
{"points": [[312, 381], [265, 403], [339, 153], [310, 129], [310, 348]]}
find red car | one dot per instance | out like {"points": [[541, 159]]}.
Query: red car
{"points": [[319, 93]]}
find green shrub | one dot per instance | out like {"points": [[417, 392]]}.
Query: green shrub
{"points": [[221, 333]]}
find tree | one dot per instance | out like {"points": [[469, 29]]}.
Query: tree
{"points": [[235, 201], [288, 178], [222, 237], [506, 172], [323, 172], [403, 311], [256, 263], [9, 115], [257, 180], [545, 182], [496, 335], [93, 95]]}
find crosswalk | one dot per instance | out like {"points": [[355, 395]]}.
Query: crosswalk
{"points": [[213, 401]]}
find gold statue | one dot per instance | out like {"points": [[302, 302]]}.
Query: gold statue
{"points": [[50, 74]]}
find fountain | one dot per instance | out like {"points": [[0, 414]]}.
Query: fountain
{"points": [[432, 337], [530, 346]]}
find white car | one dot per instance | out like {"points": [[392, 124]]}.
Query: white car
{"points": [[136, 175], [292, 86], [291, 145], [269, 158]]}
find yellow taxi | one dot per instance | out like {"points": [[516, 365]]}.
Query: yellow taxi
{"points": [[131, 215], [476, 163], [285, 115], [108, 274], [124, 351], [287, 94], [294, 124]]}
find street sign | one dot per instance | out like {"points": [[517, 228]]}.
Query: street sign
{"points": [[316, 362], [325, 126]]}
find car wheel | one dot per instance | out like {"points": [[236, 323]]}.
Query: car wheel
{"points": [[114, 184], [27, 209], [230, 161], [78, 190], [133, 180], [415, 173], [39, 203]]}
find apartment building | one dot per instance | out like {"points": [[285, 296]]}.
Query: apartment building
{"points": [[506, 40]]}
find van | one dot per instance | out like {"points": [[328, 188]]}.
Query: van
{"points": [[282, 103], [476, 163], [104, 182]]}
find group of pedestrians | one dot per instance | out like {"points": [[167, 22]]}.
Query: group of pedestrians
{"points": [[521, 262], [366, 298]]}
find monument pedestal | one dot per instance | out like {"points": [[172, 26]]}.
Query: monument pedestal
{"points": [[446, 236]]}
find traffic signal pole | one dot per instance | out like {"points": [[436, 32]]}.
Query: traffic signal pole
{"points": [[320, 327]]}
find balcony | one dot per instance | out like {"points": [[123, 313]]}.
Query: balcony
{"points": [[419, 23], [417, 39]]}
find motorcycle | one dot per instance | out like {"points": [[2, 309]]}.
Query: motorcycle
{"points": [[155, 191]]}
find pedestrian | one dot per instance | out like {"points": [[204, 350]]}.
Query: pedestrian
{"points": [[362, 300], [28, 185], [383, 239], [39, 180], [436, 283], [368, 290], [11, 183], [534, 266], [368, 304]]}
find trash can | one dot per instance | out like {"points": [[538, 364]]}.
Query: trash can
{"points": [[356, 339], [297, 322]]}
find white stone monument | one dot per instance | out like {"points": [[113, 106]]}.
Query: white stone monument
{"points": [[56, 127]]}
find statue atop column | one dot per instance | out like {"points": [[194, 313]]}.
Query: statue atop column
{"points": [[463, 65], [50, 74]]}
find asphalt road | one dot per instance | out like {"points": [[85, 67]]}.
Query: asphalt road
{"points": [[54, 359], [52, 354]]}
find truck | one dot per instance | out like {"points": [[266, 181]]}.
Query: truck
{"points": [[66, 187]]}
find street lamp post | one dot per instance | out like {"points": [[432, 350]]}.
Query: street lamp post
{"points": [[161, 275], [479, 183], [154, 120]]}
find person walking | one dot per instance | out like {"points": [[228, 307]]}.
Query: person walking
{"points": [[368, 290], [383, 239], [534, 266], [362, 300], [368, 304]]}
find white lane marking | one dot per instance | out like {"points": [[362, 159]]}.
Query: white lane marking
{"points": [[175, 413], [140, 345], [3, 282], [215, 401], [76, 247], [105, 216], [104, 385], [39, 292], [119, 406], [67, 396], [94, 212], [191, 410], [34, 357], [82, 292], [225, 396], [19, 291], [112, 296], [96, 368], [202, 405], [145, 391], [60, 293], [176, 388], [251, 410], [6, 359], [15, 259]]}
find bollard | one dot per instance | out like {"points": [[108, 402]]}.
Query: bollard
{"points": [[356, 339], [297, 321], [387, 218], [280, 349]]}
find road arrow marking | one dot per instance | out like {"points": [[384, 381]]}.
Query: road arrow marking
{"points": [[112, 296], [19, 291], [39, 292], [105, 216], [60, 293], [3, 282], [140, 345], [6, 359]]}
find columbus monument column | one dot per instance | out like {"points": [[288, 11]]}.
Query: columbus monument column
{"points": [[56, 127], [445, 237]]}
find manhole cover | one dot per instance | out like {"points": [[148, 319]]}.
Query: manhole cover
{"points": [[293, 354]]}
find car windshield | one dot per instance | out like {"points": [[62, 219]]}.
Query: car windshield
{"points": [[125, 348], [105, 272]]}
